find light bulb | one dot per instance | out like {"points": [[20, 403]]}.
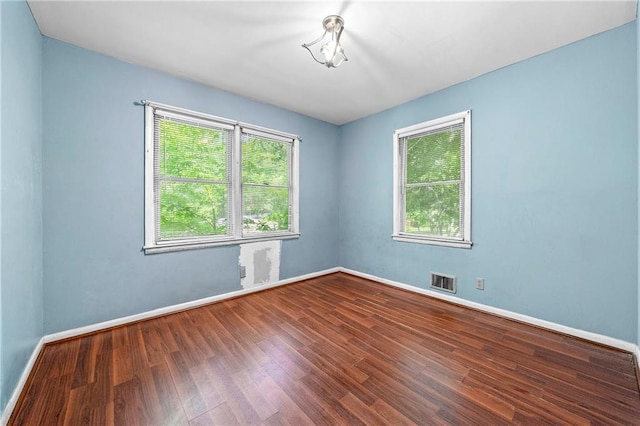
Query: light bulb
{"points": [[333, 54]]}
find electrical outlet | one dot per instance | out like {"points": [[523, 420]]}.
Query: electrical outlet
{"points": [[480, 283], [243, 271]]}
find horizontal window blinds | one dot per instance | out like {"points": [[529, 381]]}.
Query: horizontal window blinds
{"points": [[192, 177], [432, 166]]}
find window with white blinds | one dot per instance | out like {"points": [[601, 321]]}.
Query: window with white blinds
{"points": [[212, 181], [432, 182]]}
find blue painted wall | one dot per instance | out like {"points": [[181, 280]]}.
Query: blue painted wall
{"points": [[3, 391], [21, 200], [93, 191], [555, 188]]}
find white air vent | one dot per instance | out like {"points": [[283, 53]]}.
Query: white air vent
{"points": [[443, 282]]}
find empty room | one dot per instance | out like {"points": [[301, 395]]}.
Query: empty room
{"points": [[304, 212]]}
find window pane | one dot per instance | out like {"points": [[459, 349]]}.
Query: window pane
{"points": [[192, 209], [433, 210], [209, 178], [434, 157], [265, 209], [192, 151], [264, 162]]}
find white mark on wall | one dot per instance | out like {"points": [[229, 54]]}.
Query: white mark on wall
{"points": [[262, 263]]}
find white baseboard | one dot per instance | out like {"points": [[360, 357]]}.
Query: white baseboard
{"points": [[587, 335], [594, 337], [49, 338], [11, 404], [176, 308]]}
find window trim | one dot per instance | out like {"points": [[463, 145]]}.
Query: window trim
{"points": [[152, 245], [398, 181]]}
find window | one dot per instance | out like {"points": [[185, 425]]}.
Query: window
{"points": [[213, 181], [432, 182]]}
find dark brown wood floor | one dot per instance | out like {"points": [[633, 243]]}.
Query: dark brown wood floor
{"points": [[332, 350]]}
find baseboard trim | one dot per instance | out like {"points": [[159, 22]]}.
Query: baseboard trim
{"points": [[49, 338], [587, 335], [67, 334], [582, 334], [11, 404]]}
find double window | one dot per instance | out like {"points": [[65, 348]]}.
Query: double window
{"points": [[213, 181], [432, 182]]}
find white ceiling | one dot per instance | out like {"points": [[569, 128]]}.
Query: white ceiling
{"points": [[397, 51]]}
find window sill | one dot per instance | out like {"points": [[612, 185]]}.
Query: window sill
{"points": [[432, 241], [199, 244]]}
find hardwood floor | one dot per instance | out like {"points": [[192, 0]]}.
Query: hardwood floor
{"points": [[331, 350]]}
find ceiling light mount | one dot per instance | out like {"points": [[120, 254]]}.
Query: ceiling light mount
{"points": [[332, 50], [333, 23]]}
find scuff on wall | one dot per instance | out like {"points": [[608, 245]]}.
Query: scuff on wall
{"points": [[262, 263]]}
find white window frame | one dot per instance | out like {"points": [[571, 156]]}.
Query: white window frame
{"points": [[399, 181], [151, 242]]}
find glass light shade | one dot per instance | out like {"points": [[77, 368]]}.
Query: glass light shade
{"points": [[332, 51], [333, 54]]}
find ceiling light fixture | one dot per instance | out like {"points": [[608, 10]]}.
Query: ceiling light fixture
{"points": [[332, 51]]}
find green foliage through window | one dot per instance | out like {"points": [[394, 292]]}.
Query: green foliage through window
{"points": [[196, 191], [193, 179], [432, 185], [433, 182], [265, 190]]}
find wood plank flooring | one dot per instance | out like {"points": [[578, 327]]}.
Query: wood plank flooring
{"points": [[331, 350]]}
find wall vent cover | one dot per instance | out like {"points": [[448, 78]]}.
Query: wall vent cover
{"points": [[443, 282]]}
